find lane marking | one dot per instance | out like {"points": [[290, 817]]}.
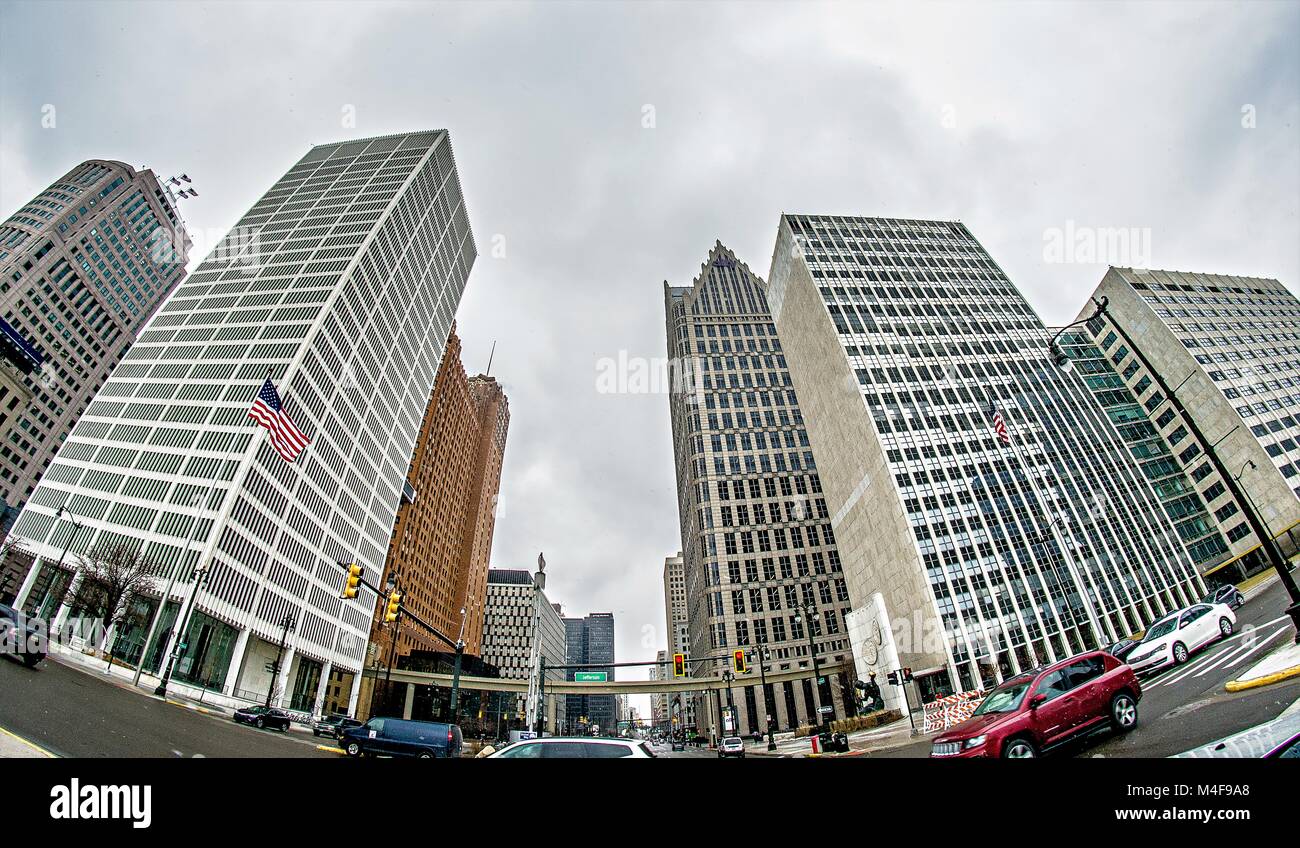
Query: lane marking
{"points": [[1223, 656], [20, 740], [1257, 647], [1175, 674]]}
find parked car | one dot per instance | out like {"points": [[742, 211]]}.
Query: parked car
{"points": [[21, 637], [678, 744], [1225, 594], [732, 746], [1277, 739], [1121, 649], [333, 725], [260, 716], [397, 737], [1042, 709], [581, 747], [1174, 638]]}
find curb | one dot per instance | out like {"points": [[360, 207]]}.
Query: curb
{"points": [[21, 741], [1256, 682], [331, 749]]}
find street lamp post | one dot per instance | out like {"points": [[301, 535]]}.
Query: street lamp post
{"points": [[1257, 525], [760, 656], [455, 675], [809, 617], [72, 537], [200, 574], [288, 624]]}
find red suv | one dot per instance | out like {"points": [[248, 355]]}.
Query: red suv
{"points": [[1043, 708]]}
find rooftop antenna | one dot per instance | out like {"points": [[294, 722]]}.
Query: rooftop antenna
{"points": [[490, 355]]}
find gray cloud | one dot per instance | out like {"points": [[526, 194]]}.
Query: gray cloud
{"points": [[1013, 118]]}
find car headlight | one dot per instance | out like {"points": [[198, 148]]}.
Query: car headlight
{"points": [[976, 741]]}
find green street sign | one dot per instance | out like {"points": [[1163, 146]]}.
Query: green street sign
{"points": [[591, 676]]}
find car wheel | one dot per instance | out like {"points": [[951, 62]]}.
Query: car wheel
{"points": [[424, 755], [32, 660], [1239, 600], [1019, 749], [352, 749], [1225, 627], [261, 723], [1180, 653], [1123, 712]]}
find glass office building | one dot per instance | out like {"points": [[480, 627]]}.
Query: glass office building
{"points": [[968, 555]]}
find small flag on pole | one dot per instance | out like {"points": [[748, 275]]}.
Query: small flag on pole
{"points": [[1000, 427], [286, 438]]}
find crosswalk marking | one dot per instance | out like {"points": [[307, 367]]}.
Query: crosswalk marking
{"points": [[1220, 652]]}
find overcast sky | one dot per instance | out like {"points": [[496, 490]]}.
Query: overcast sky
{"points": [[603, 148]]}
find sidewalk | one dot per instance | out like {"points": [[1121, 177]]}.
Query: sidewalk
{"points": [[14, 747], [178, 694], [1282, 664], [861, 742]]}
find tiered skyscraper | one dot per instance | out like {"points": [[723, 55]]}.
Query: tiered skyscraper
{"points": [[82, 266], [968, 555], [340, 284], [757, 543]]}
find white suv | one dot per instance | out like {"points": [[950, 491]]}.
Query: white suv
{"points": [[732, 746], [1172, 639], [570, 748]]}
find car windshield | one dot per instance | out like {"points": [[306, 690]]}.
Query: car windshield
{"points": [[1004, 699], [1161, 629]]}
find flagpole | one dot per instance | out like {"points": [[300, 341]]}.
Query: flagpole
{"points": [[171, 579]]}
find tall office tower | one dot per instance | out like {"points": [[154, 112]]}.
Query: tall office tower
{"points": [[659, 700], [590, 641], [82, 267], [989, 516], [1228, 350], [442, 539], [680, 707], [340, 285], [757, 542], [679, 639], [516, 611]]}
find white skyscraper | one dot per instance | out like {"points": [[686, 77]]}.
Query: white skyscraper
{"points": [[972, 550], [340, 284]]}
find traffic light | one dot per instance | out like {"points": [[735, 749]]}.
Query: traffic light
{"points": [[353, 585], [394, 606], [738, 661], [892, 677], [679, 665]]}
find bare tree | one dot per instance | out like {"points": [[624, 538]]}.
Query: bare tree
{"points": [[11, 548], [112, 575]]}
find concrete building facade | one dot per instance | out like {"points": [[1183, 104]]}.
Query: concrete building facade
{"points": [[971, 552], [758, 548], [340, 285], [82, 267]]}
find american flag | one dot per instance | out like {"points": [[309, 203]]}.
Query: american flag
{"points": [[1000, 427], [286, 438]]}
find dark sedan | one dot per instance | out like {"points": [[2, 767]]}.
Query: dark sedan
{"points": [[1225, 594], [333, 725], [21, 636], [1122, 648], [263, 717]]}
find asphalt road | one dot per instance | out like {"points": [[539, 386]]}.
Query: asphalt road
{"points": [[72, 713], [1186, 706]]}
